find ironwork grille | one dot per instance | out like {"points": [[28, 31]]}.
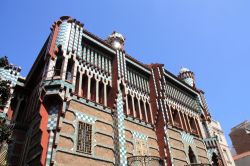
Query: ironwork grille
{"points": [[145, 161], [84, 138]]}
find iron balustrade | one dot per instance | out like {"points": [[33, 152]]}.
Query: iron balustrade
{"points": [[145, 161]]}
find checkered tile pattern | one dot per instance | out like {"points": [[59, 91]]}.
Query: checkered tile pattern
{"points": [[85, 118], [120, 142], [50, 149], [53, 114], [187, 138], [9, 74], [52, 123], [63, 35], [139, 135]]}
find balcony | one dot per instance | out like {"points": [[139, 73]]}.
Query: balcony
{"points": [[211, 142], [145, 161]]}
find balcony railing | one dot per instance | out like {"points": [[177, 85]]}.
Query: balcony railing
{"points": [[145, 161]]}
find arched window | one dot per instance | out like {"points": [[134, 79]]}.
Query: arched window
{"points": [[215, 159], [191, 156], [70, 68], [58, 65], [59, 61]]}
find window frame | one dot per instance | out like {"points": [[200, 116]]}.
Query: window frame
{"points": [[83, 149]]}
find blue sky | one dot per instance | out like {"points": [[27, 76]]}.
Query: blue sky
{"points": [[210, 37]]}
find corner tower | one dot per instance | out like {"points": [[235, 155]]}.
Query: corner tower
{"points": [[187, 76]]}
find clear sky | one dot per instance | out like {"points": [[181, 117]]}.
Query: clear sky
{"points": [[210, 37]]}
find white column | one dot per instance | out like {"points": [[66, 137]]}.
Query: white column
{"points": [[80, 85], [90, 75], [127, 110], [74, 73], [133, 105], [180, 119], [151, 113], [97, 91], [145, 111], [105, 93]]}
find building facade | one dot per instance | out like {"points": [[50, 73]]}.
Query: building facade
{"points": [[87, 102], [240, 136]]}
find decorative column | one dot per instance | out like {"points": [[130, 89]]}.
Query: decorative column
{"points": [[180, 118], [97, 89], [74, 73], [145, 111], [196, 126], [171, 115], [184, 119], [80, 85], [105, 93], [127, 110], [151, 113], [89, 74], [188, 122], [133, 105]]}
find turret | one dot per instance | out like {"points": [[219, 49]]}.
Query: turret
{"points": [[187, 76], [116, 40]]}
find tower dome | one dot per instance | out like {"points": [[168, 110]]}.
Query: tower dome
{"points": [[187, 76], [116, 40]]}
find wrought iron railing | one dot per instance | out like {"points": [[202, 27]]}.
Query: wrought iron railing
{"points": [[3, 154], [145, 161]]}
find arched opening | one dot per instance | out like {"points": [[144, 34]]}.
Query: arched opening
{"points": [[176, 118], [193, 127], [101, 92], [215, 159], [143, 111], [58, 65], [109, 103], [77, 82], [137, 108], [93, 90], [84, 86], [191, 156], [130, 106], [70, 68]]}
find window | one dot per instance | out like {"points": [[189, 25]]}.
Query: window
{"points": [[70, 68], [58, 65], [84, 138]]}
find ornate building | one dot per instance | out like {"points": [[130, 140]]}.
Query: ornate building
{"points": [[87, 102]]}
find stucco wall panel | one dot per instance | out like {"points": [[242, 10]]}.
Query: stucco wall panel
{"points": [[70, 116], [65, 143], [104, 153], [67, 128], [64, 159], [90, 111], [104, 140], [104, 127]]}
